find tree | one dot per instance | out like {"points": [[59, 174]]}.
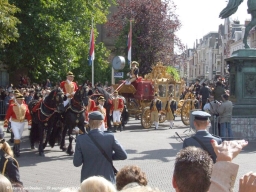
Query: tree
{"points": [[54, 37], [153, 31], [9, 31]]}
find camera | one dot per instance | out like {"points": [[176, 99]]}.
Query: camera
{"points": [[219, 103]]}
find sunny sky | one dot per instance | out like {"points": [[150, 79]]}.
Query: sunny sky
{"points": [[199, 17]]}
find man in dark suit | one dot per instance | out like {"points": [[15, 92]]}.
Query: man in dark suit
{"points": [[202, 138], [89, 155]]}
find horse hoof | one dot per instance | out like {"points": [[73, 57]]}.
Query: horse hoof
{"points": [[63, 148], [70, 152], [42, 154]]}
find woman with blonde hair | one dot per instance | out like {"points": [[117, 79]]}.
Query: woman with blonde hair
{"points": [[9, 167], [97, 184], [5, 184]]}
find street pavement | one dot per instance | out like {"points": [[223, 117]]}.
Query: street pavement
{"points": [[152, 150]]}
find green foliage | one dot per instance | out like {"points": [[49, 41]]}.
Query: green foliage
{"points": [[8, 23], [54, 38], [173, 71]]}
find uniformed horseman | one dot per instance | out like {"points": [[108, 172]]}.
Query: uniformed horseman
{"points": [[170, 108], [133, 74], [18, 112], [69, 87], [116, 110], [155, 108], [101, 109]]}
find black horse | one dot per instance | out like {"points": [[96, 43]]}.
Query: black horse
{"points": [[74, 117], [43, 117], [107, 106]]}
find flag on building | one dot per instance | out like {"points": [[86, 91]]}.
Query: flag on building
{"points": [[91, 52], [129, 44]]}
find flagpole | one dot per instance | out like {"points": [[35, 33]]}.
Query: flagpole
{"points": [[92, 62], [131, 42]]}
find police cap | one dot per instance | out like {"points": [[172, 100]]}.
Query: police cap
{"points": [[201, 115], [96, 115]]}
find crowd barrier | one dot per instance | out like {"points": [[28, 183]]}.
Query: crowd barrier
{"points": [[2, 110]]}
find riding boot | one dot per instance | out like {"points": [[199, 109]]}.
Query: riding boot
{"points": [[115, 128], [120, 127], [16, 148], [12, 138]]}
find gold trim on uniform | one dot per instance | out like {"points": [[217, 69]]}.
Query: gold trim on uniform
{"points": [[20, 112], [154, 106], [69, 87], [102, 111], [115, 102]]}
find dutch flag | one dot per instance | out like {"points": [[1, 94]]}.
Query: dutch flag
{"points": [[129, 44], [91, 52]]}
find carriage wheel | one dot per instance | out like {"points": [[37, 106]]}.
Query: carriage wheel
{"points": [[145, 118], [162, 117], [187, 106]]}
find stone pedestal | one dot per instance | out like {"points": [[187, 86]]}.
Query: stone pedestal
{"points": [[242, 68]]}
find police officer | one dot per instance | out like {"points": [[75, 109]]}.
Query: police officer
{"points": [[155, 108], [202, 138]]}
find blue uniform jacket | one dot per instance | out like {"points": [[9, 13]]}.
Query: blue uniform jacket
{"points": [[205, 137], [93, 161]]}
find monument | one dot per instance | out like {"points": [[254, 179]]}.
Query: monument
{"points": [[242, 69]]}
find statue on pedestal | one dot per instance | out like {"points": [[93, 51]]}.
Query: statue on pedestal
{"points": [[232, 7]]}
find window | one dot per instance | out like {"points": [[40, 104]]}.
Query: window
{"points": [[162, 90]]}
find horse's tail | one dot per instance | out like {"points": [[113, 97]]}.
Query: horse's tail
{"points": [[56, 132], [34, 135]]}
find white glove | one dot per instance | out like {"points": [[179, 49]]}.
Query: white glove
{"points": [[67, 94], [73, 93]]}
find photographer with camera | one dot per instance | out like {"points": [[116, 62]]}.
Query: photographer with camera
{"points": [[225, 111], [211, 108]]}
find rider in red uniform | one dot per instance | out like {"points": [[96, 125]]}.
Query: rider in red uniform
{"points": [[69, 87]]}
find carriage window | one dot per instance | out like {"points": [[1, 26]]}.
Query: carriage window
{"points": [[177, 91], [162, 90], [171, 89]]}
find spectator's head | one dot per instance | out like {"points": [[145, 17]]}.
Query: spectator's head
{"points": [[218, 83], [11, 94], [204, 84], [211, 98], [95, 119], [4, 146], [130, 174], [141, 189], [192, 171], [201, 119], [5, 184], [97, 184], [225, 97], [170, 96]]}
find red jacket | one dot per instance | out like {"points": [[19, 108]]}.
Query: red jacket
{"points": [[103, 111], [90, 107], [68, 87], [18, 114], [117, 104]]}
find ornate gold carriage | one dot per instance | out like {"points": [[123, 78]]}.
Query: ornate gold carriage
{"points": [[140, 93]]}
